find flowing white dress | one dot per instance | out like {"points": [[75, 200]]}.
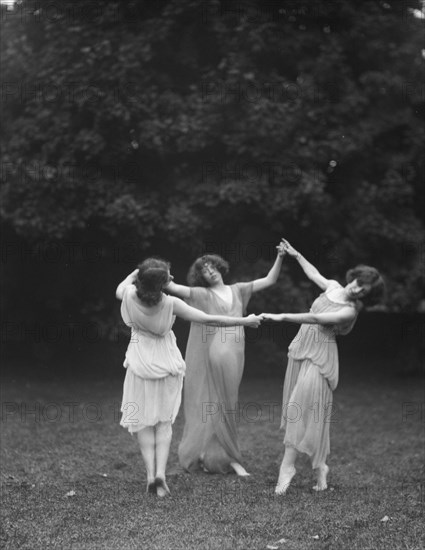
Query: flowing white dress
{"points": [[215, 362], [155, 366], [311, 377]]}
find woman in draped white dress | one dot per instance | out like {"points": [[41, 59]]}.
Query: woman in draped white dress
{"points": [[312, 370], [155, 367], [215, 364]]}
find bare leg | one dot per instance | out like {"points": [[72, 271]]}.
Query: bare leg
{"points": [[287, 470], [322, 474], [239, 469], [162, 448], [146, 439]]}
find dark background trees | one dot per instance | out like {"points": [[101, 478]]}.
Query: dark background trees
{"points": [[174, 128]]}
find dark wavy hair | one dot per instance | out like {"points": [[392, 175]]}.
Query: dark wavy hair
{"points": [[152, 276], [195, 276], [366, 274]]}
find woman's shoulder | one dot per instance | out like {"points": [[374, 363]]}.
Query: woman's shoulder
{"points": [[333, 295], [130, 292], [197, 292], [167, 303], [242, 285], [168, 300], [333, 289], [332, 283]]}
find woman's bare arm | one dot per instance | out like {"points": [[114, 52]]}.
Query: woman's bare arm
{"points": [[129, 280], [181, 309], [181, 291], [273, 274], [308, 268], [344, 315]]}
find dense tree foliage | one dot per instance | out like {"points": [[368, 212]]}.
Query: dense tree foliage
{"points": [[179, 126]]}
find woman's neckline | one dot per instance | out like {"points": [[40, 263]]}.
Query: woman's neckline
{"points": [[222, 299], [339, 303], [152, 310]]}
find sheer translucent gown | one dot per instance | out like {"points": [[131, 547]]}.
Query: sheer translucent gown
{"points": [[214, 362], [311, 377], [155, 367]]}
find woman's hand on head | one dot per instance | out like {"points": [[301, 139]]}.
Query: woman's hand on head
{"points": [[170, 280]]}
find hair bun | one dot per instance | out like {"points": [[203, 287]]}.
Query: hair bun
{"points": [[153, 275]]}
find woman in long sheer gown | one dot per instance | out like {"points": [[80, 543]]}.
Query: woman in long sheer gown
{"points": [[313, 368], [215, 361], [155, 367]]}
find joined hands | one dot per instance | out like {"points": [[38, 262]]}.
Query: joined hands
{"points": [[253, 321], [272, 317], [288, 248]]}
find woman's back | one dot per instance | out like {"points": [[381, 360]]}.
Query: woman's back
{"points": [[154, 320], [152, 351]]}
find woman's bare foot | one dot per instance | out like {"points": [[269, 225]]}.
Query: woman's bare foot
{"points": [[286, 473], [322, 474], [202, 465], [151, 487], [240, 470], [162, 489]]}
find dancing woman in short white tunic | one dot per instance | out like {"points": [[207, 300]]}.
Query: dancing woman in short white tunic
{"points": [[155, 367], [312, 371]]}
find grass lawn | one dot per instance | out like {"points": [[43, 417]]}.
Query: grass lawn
{"points": [[72, 478]]}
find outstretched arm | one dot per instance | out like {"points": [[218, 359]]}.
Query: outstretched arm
{"points": [[344, 315], [129, 280], [308, 268], [181, 309], [181, 291], [273, 274]]}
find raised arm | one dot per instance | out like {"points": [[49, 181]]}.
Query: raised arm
{"points": [[129, 280], [273, 274], [308, 268], [181, 309], [181, 291], [344, 315]]}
